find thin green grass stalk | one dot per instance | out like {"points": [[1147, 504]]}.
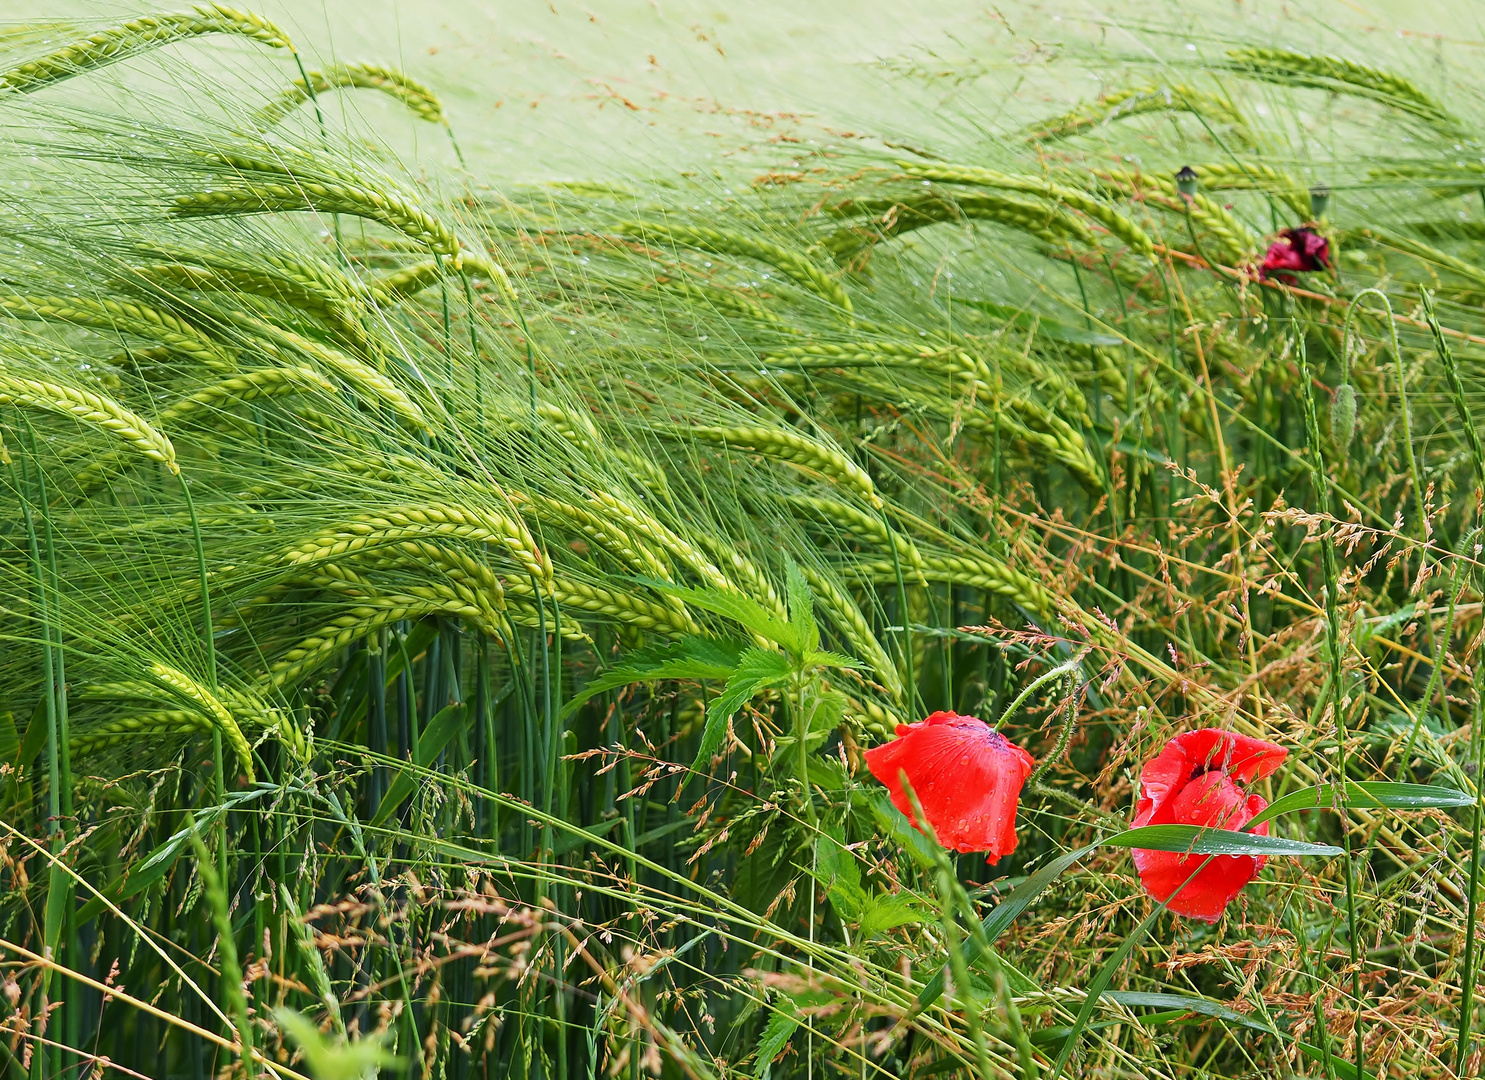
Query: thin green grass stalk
{"points": [[221, 918], [1334, 646], [58, 889], [1472, 892]]}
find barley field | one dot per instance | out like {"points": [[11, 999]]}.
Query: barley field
{"points": [[670, 541]]}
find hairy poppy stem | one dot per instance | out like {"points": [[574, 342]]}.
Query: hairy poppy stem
{"points": [[1041, 680]]}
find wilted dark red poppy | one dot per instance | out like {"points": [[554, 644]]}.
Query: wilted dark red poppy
{"points": [[967, 777], [1200, 778], [1301, 249]]}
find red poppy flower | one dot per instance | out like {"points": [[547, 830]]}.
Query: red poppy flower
{"points": [[967, 777], [1301, 249], [1199, 779]]}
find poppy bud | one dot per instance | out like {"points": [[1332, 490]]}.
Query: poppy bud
{"points": [[1343, 416], [1319, 201], [1186, 181]]}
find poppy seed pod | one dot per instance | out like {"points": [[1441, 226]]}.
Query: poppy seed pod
{"points": [[1343, 416], [1319, 201], [1201, 778], [1186, 181], [967, 778]]}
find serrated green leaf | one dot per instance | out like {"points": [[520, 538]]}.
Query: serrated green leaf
{"points": [[689, 658], [757, 669], [836, 870], [801, 608], [781, 1025], [832, 660], [884, 912], [830, 710], [744, 611]]}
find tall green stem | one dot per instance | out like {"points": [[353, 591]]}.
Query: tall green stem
{"points": [[1333, 646]]}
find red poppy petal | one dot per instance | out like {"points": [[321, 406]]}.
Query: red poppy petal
{"points": [[1247, 759], [1208, 894], [967, 778], [1161, 778]]}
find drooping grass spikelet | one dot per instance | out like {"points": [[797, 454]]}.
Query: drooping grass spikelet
{"points": [[89, 408], [367, 76], [724, 242], [1137, 101], [136, 36], [211, 706]]}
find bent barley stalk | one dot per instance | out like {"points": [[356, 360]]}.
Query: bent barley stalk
{"points": [[395, 525], [119, 317], [250, 386], [787, 446], [723, 242], [253, 186], [137, 36], [155, 723], [1289, 68], [212, 707], [365, 76], [1138, 101], [89, 408], [1119, 226]]}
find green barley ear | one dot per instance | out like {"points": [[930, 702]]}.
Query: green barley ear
{"points": [[1343, 416]]}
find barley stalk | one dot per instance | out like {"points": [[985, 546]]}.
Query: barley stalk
{"points": [[1236, 240], [788, 446], [274, 340], [853, 626], [89, 408], [211, 706], [1139, 100], [1289, 68], [271, 189], [978, 572], [723, 242], [153, 723], [120, 317], [364, 76], [889, 217], [857, 523], [623, 607], [1116, 223], [389, 526], [1255, 176], [334, 312], [250, 386], [136, 36]]}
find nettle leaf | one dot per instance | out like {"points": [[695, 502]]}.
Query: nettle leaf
{"points": [[781, 1025], [1369, 794], [689, 658], [836, 870], [801, 608], [832, 660], [885, 911], [757, 669], [830, 711], [1195, 840], [744, 611]]}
